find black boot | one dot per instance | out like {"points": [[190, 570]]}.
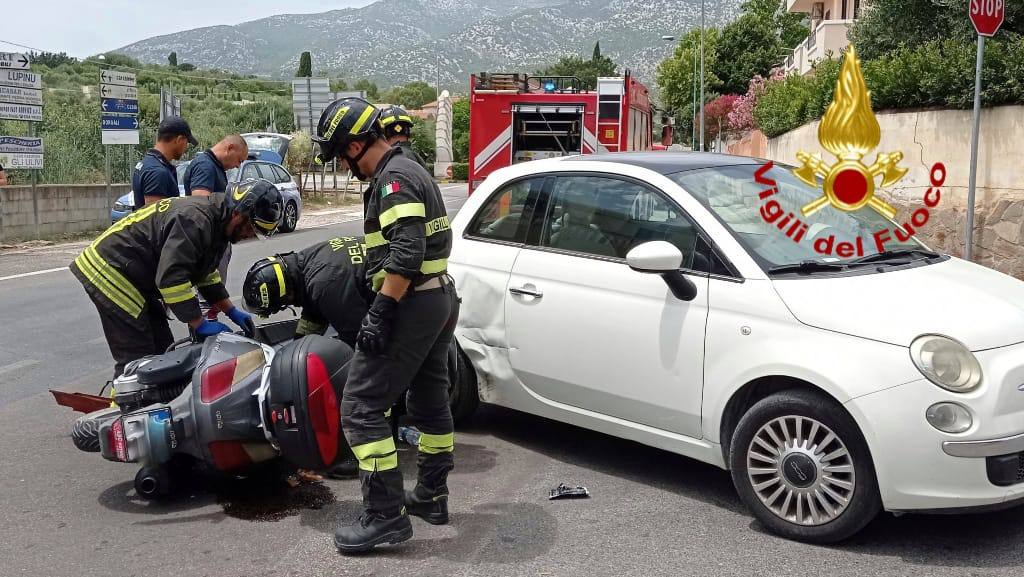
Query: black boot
{"points": [[346, 469], [432, 508], [373, 529]]}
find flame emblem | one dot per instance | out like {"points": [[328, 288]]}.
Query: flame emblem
{"points": [[849, 130]]}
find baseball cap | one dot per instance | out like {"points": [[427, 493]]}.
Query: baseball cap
{"points": [[176, 126]]}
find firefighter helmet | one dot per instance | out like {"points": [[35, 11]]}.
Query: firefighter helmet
{"points": [[259, 200], [344, 121], [395, 120], [267, 289]]}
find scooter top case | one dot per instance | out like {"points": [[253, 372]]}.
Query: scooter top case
{"points": [[307, 378]]}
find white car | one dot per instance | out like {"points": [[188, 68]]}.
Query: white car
{"points": [[643, 295]]}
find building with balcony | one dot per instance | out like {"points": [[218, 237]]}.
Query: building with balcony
{"points": [[830, 22]]}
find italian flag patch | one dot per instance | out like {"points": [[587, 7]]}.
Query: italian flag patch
{"points": [[389, 188]]}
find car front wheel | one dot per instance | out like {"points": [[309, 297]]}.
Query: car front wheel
{"points": [[800, 464]]}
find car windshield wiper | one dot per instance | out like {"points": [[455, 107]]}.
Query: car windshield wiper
{"points": [[895, 255], [808, 266]]}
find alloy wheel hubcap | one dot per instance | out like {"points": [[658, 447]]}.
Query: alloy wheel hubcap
{"points": [[801, 470], [289, 214]]}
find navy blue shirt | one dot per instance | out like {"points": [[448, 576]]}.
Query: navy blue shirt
{"points": [[153, 176], [205, 172]]}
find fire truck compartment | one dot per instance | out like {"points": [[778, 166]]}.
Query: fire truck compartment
{"points": [[546, 131]]}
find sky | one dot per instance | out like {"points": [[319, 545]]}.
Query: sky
{"points": [[87, 27]]}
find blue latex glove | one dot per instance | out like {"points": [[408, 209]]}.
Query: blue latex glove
{"points": [[243, 320], [210, 328]]}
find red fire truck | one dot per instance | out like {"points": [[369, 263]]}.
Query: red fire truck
{"points": [[515, 118]]}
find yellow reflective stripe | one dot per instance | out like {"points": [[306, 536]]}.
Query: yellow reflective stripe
{"points": [[405, 118], [139, 215], [362, 120], [279, 271], [185, 286], [114, 277], [375, 239], [103, 285], [377, 280], [438, 225], [211, 279], [434, 266], [377, 456], [177, 293], [335, 120], [436, 444], [406, 210], [265, 225]]}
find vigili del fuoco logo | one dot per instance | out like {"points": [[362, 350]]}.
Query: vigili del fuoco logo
{"points": [[850, 131]]}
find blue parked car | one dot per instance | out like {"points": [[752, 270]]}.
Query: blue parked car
{"points": [[266, 151]]}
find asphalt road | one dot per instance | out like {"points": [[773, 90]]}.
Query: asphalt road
{"points": [[651, 513]]}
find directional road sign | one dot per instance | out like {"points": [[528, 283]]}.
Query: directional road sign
{"points": [[117, 77], [122, 92], [14, 95], [21, 79], [14, 60], [120, 136], [110, 122], [21, 153], [21, 112], [119, 106]]}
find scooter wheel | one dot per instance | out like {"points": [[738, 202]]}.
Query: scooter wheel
{"points": [[85, 433], [153, 483]]}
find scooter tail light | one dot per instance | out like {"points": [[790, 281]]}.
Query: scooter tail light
{"points": [[323, 407], [117, 440], [217, 380], [229, 455]]}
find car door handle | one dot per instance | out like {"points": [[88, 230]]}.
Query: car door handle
{"points": [[523, 291]]}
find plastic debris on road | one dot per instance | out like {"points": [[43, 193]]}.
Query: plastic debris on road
{"points": [[563, 491]]}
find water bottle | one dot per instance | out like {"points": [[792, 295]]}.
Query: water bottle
{"points": [[409, 435]]}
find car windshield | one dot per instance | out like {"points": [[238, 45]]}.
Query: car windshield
{"points": [[775, 233], [181, 168], [264, 141]]}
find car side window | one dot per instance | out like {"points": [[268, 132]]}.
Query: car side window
{"points": [[603, 216], [250, 172], [282, 176], [507, 213]]}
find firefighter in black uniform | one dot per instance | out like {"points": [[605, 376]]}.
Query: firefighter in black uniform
{"points": [[403, 341], [163, 252], [398, 131]]}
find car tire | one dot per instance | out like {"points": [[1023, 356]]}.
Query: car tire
{"points": [[820, 461], [463, 396], [290, 219]]}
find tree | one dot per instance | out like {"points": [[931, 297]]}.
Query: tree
{"points": [[460, 130], [716, 116], [172, 59], [411, 96], [886, 25], [675, 77], [370, 88], [339, 85], [756, 42], [305, 66], [587, 71], [51, 59]]}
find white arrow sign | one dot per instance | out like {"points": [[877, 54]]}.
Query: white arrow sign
{"points": [[125, 92], [117, 77], [21, 79], [15, 60]]}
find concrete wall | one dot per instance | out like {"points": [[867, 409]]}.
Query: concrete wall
{"points": [[927, 137], [58, 209]]}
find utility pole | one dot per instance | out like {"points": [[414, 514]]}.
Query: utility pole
{"points": [[693, 120], [702, 75]]}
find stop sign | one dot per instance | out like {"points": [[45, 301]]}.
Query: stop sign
{"points": [[987, 16]]}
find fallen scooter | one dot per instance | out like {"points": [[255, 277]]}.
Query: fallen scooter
{"points": [[231, 403]]}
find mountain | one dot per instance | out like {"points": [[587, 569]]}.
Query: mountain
{"points": [[398, 41]]}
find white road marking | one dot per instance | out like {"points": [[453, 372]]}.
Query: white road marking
{"points": [[34, 273], [18, 365]]}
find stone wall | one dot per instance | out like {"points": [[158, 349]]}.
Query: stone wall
{"points": [[57, 209], [931, 136]]}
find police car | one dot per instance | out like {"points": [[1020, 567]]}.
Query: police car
{"points": [[650, 296]]}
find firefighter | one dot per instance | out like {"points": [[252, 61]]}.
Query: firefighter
{"points": [[328, 280], [398, 131], [403, 341], [161, 253]]}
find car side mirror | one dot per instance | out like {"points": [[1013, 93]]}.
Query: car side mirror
{"points": [[663, 258]]}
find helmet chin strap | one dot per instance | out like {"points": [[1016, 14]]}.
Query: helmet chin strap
{"points": [[353, 163]]}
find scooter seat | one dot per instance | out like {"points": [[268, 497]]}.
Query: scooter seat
{"points": [[176, 366]]}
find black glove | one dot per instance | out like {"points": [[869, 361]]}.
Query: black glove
{"points": [[375, 331]]}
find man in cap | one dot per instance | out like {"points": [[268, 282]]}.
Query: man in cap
{"points": [[154, 177]]}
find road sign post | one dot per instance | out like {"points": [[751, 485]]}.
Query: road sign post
{"points": [[987, 17]]}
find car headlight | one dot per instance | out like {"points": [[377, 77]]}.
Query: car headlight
{"points": [[119, 207], [946, 362]]}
